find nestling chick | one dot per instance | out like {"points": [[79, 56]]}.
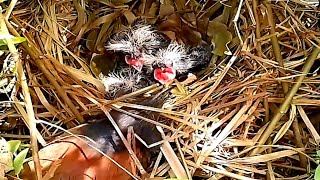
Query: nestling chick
{"points": [[74, 158], [125, 79], [151, 54], [178, 60], [139, 42]]}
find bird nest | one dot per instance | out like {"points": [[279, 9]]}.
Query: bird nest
{"points": [[254, 113]]}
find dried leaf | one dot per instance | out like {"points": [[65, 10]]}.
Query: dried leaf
{"points": [[101, 20], [210, 11], [91, 40], [220, 38], [153, 9], [183, 33], [165, 10], [283, 130], [6, 157], [101, 64], [202, 25], [171, 35], [87, 78], [309, 124], [120, 2], [224, 17], [81, 18], [190, 36], [176, 91], [180, 5], [266, 157], [191, 18], [103, 36], [170, 22], [167, 2], [129, 16], [52, 169]]}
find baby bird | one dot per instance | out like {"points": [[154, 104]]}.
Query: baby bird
{"points": [[138, 42], [178, 60], [68, 157], [125, 79], [152, 55]]}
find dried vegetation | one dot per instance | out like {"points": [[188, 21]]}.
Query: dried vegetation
{"points": [[254, 114]]}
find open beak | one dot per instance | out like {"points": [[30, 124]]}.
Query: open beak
{"points": [[136, 63], [164, 75]]}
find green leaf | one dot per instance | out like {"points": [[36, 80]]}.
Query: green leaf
{"points": [[14, 145], [15, 40], [317, 174], [3, 42], [18, 161], [318, 153]]}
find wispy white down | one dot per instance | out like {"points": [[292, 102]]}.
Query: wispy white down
{"points": [[120, 45], [175, 56], [134, 39], [144, 35], [125, 79]]}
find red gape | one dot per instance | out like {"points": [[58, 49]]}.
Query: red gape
{"points": [[136, 63], [164, 75]]}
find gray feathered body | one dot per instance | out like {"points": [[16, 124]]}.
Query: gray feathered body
{"points": [[123, 80]]}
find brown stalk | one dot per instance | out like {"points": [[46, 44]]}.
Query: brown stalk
{"points": [[287, 100], [36, 56], [27, 98], [299, 143], [275, 43]]}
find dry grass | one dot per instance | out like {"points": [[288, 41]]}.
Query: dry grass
{"points": [[254, 114]]}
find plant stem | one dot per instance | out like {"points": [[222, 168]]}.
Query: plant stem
{"points": [[275, 43], [27, 98], [287, 100]]}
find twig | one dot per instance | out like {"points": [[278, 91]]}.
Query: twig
{"points": [[299, 143], [35, 55], [275, 43], [27, 98], [171, 157], [288, 98], [10, 8]]}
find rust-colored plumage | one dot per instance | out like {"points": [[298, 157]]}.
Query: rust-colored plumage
{"points": [[69, 157]]}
